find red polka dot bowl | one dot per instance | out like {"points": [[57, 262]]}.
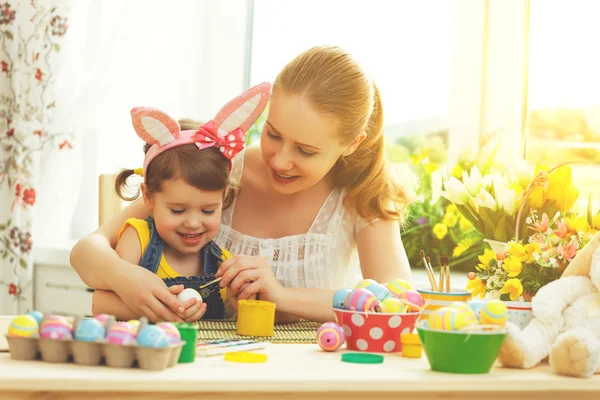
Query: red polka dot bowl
{"points": [[375, 332]]}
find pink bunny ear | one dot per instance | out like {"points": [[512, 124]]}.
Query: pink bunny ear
{"points": [[154, 126], [242, 111]]}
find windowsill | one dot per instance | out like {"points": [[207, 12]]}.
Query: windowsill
{"points": [[57, 253]]}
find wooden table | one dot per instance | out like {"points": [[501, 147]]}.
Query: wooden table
{"points": [[292, 371]]}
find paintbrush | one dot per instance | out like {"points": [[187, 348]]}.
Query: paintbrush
{"points": [[435, 286], [265, 258], [446, 262], [429, 272], [442, 276]]}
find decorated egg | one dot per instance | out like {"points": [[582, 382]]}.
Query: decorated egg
{"points": [[171, 331], [391, 305], [134, 323], [380, 291], [414, 298], [464, 309], [330, 336], [476, 305], [37, 315], [339, 297], [121, 333], [23, 326], [56, 328], [189, 293], [398, 286], [494, 312], [152, 336], [90, 330], [448, 319], [364, 283], [360, 300], [102, 318]]}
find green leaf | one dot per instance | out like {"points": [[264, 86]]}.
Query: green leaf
{"points": [[589, 210], [9, 35], [2, 227], [9, 222], [52, 10], [23, 263], [57, 47], [500, 231]]}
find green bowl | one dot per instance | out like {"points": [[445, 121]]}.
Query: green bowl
{"points": [[461, 352]]}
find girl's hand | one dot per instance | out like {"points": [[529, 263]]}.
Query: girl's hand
{"points": [[193, 310], [248, 276]]}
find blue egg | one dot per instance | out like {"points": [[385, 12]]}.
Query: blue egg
{"points": [[339, 298], [380, 291], [476, 305], [37, 315], [89, 330], [152, 336]]}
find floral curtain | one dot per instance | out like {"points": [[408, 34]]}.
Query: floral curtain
{"points": [[31, 34]]}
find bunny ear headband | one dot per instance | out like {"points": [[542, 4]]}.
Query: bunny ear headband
{"points": [[227, 131]]}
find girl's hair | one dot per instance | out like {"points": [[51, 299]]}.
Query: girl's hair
{"points": [[335, 85], [205, 169]]}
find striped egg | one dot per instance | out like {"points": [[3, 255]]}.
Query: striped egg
{"points": [[391, 305], [414, 298], [448, 319], [380, 291], [134, 323], [56, 328], [23, 326], [37, 315], [494, 313], [330, 336], [153, 336], [464, 309], [360, 300], [171, 331], [398, 286], [339, 298], [90, 330], [364, 283], [476, 305], [122, 333]]}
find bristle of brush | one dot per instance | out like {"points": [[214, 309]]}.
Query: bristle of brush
{"points": [[444, 260]]}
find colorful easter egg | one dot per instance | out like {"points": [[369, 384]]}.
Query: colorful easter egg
{"points": [[448, 319], [391, 305], [494, 313], [37, 315], [330, 336], [152, 336], [134, 323], [189, 293], [171, 331], [90, 330], [380, 291], [398, 286], [360, 300], [339, 297], [56, 327], [122, 333], [463, 308], [102, 318], [414, 298], [23, 326], [476, 305], [364, 283]]}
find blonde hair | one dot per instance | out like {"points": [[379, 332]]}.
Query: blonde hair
{"points": [[334, 84]]}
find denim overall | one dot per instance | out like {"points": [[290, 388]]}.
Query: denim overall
{"points": [[215, 309]]}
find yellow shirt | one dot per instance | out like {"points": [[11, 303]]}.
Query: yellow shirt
{"points": [[164, 269]]}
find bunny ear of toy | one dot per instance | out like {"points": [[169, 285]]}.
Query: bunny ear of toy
{"points": [[154, 126], [242, 111]]}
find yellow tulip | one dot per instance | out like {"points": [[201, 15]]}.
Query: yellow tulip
{"points": [[559, 180], [457, 171], [440, 231], [596, 221], [477, 287], [517, 250], [578, 224], [568, 198], [487, 259], [536, 198], [512, 287], [513, 266]]}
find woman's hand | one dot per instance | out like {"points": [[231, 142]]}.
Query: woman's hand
{"points": [[147, 295], [248, 276], [193, 310]]}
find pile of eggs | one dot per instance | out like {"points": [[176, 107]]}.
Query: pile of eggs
{"points": [[491, 314], [101, 329], [395, 297]]}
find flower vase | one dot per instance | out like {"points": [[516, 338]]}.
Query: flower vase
{"points": [[497, 247], [519, 313]]}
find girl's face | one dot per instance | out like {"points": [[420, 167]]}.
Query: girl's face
{"points": [[186, 218], [299, 146]]}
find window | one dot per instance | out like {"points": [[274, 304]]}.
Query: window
{"points": [[406, 47]]}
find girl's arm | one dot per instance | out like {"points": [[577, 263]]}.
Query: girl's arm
{"points": [[107, 302]]}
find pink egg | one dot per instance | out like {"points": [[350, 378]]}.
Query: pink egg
{"points": [[56, 327], [361, 300], [171, 331], [330, 336], [102, 318], [414, 298], [121, 333]]}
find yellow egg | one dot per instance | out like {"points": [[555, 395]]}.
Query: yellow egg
{"points": [[494, 313], [398, 286], [391, 305], [364, 283], [23, 326], [468, 314], [449, 319]]}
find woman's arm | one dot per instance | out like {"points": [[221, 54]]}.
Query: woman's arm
{"points": [[107, 302]]}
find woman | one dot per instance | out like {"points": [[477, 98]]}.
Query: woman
{"points": [[315, 190]]}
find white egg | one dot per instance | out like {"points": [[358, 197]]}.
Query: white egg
{"points": [[189, 293]]}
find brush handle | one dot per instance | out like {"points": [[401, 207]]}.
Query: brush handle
{"points": [[447, 278], [442, 273]]}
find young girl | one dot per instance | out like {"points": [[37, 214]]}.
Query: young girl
{"points": [[186, 185]]}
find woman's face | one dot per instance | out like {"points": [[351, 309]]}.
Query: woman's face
{"points": [[299, 145]]}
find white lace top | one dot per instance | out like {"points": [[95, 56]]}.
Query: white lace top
{"points": [[325, 257]]}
